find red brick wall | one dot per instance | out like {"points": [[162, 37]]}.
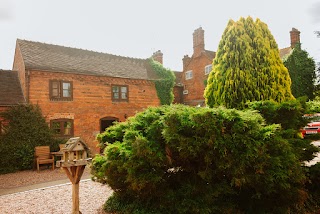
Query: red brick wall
{"points": [[177, 93], [18, 65], [91, 100], [195, 86]]}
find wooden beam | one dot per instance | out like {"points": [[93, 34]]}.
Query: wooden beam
{"points": [[68, 174], [75, 199], [79, 173]]}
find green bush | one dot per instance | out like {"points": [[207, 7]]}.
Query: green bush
{"points": [[313, 107], [179, 159], [302, 70], [290, 116], [26, 129], [313, 186]]}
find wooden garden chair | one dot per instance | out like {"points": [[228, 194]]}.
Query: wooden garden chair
{"points": [[43, 156]]}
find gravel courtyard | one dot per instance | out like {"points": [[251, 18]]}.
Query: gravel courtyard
{"points": [[50, 199]]}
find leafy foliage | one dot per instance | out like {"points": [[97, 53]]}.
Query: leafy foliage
{"points": [[313, 186], [302, 72], [313, 107], [179, 159], [164, 85], [247, 67], [26, 129], [290, 116], [317, 83]]}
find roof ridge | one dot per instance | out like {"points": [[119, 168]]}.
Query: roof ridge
{"points": [[96, 52]]}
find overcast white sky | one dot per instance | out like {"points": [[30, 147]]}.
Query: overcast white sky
{"points": [[137, 28]]}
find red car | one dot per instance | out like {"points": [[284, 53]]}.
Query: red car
{"points": [[311, 128]]}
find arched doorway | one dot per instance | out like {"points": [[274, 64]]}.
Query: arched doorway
{"points": [[106, 122]]}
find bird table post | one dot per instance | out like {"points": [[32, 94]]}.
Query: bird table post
{"points": [[74, 161], [74, 174]]}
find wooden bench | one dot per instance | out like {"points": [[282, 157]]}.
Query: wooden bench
{"points": [[43, 156]]}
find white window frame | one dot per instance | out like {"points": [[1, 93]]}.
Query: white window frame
{"points": [[207, 69], [189, 75]]}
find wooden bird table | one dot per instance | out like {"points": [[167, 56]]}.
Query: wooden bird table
{"points": [[74, 160]]}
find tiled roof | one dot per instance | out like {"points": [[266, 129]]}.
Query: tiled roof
{"points": [[48, 57], [10, 89], [285, 52], [210, 54]]}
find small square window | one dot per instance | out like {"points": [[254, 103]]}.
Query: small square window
{"points": [[120, 93], [207, 69], [60, 90], [62, 127], [189, 75]]}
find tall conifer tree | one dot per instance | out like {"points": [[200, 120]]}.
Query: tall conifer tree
{"points": [[247, 67], [302, 72]]}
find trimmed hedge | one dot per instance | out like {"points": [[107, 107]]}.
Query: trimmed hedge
{"points": [[180, 159]]}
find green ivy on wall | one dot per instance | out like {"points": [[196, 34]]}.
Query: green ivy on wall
{"points": [[164, 85]]}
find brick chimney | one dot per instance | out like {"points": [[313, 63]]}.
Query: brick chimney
{"points": [[186, 59], [294, 37], [158, 56], [198, 42]]}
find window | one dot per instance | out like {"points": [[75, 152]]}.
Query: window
{"points": [[60, 90], [62, 127], [120, 93], [207, 69], [189, 75]]}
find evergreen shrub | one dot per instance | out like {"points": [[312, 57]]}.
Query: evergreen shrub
{"points": [[313, 107], [247, 67], [302, 70], [180, 159], [289, 115], [313, 186], [26, 128]]}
